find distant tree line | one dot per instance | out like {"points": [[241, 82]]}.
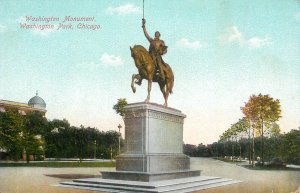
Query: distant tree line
{"points": [[34, 135], [284, 146], [255, 135], [65, 141]]}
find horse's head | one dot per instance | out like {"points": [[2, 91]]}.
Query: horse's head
{"points": [[140, 56], [136, 56], [133, 52]]}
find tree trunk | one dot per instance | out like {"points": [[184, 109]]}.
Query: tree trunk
{"points": [[232, 148], [262, 141], [240, 152], [249, 146], [27, 156], [224, 149], [253, 153]]}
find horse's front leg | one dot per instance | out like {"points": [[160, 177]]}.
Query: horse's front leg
{"points": [[149, 91], [139, 81], [134, 76]]}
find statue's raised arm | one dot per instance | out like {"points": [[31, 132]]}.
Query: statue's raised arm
{"points": [[145, 31]]}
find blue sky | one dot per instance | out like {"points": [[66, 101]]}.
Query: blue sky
{"points": [[221, 52]]}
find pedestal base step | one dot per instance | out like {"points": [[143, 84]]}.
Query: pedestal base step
{"points": [[175, 185], [149, 177]]}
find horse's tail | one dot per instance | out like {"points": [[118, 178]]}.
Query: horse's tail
{"points": [[171, 79]]}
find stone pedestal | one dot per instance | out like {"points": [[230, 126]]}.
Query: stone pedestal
{"points": [[153, 161], [154, 145]]}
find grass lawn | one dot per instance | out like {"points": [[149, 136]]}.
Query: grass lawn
{"points": [[270, 168], [58, 164]]}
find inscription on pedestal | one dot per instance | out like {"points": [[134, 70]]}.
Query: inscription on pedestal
{"points": [[130, 114], [166, 117]]}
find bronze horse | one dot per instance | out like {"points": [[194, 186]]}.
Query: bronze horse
{"points": [[146, 68]]}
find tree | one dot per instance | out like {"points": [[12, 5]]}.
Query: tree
{"points": [[33, 135], [119, 107], [227, 138], [290, 147], [272, 130], [11, 127], [262, 110], [203, 150], [37, 123], [240, 128], [55, 138], [190, 150]]}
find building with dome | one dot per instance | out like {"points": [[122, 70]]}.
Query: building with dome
{"points": [[36, 103]]}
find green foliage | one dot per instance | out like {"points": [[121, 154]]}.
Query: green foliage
{"points": [[190, 150], [35, 127], [119, 107], [290, 147], [11, 132], [37, 136], [65, 141], [273, 129], [36, 123], [284, 146], [236, 130], [20, 133]]}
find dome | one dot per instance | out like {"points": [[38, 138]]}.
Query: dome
{"points": [[37, 102]]}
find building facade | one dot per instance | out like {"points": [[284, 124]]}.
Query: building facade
{"points": [[36, 103]]}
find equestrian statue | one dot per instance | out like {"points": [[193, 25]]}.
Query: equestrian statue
{"points": [[151, 66]]}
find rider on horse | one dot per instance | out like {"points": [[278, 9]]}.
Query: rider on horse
{"points": [[157, 48]]}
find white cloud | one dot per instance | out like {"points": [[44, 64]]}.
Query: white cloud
{"points": [[111, 60], [186, 43], [234, 35], [257, 42], [3, 28], [124, 9]]}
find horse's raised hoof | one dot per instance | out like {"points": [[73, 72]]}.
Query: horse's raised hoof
{"points": [[133, 89]]}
